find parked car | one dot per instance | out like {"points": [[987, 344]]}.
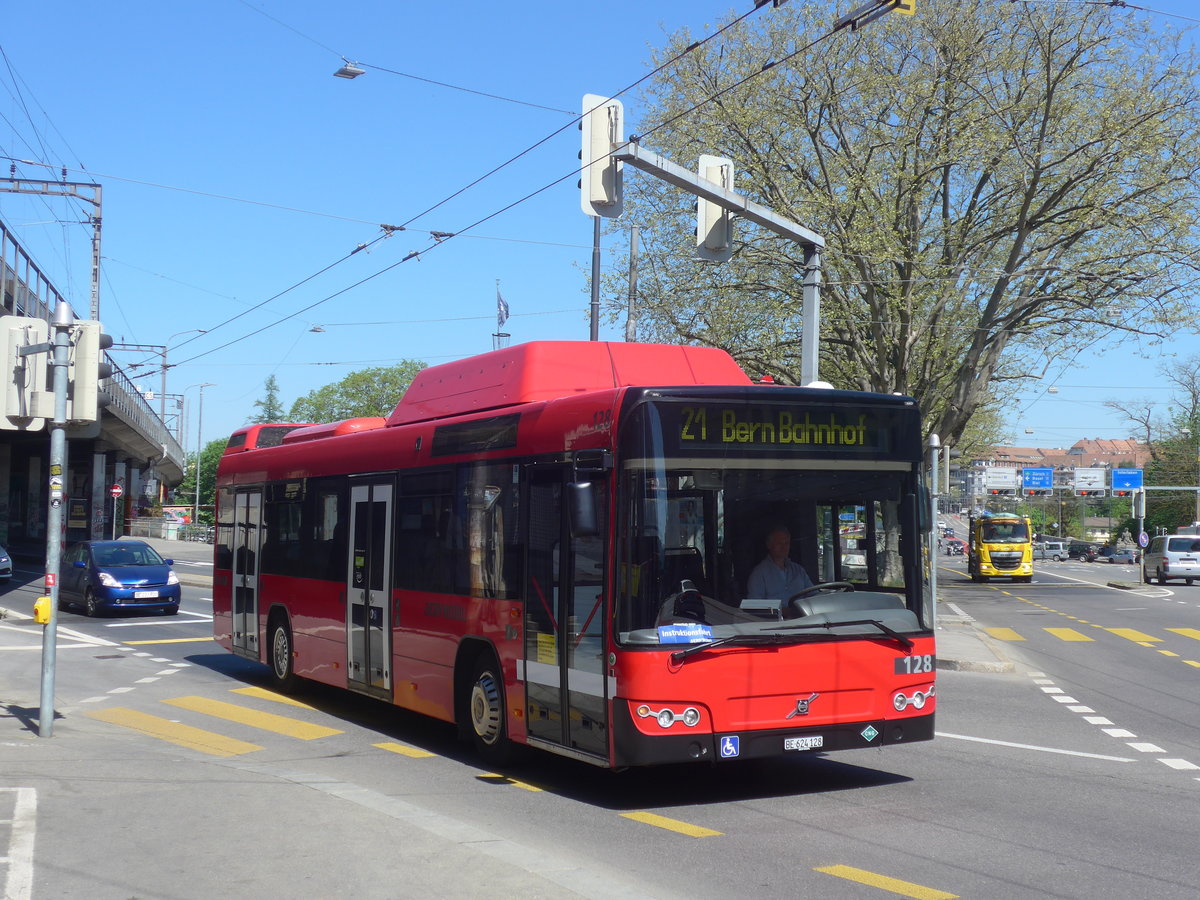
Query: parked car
{"points": [[5, 565], [1055, 550], [105, 576], [1172, 556], [1126, 555], [1082, 551]]}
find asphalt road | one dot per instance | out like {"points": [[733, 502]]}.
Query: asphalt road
{"points": [[1074, 775]]}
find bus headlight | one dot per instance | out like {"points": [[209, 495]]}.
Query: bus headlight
{"points": [[916, 699], [666, 717]]}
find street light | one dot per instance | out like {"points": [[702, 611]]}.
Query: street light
{"points": [[199, 446]]}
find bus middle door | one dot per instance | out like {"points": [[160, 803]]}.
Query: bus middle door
{"points": [[247, 541], [369, 588], [566, 701]]}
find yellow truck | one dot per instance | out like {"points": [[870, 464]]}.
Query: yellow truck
{"points": [[1000, 545]]}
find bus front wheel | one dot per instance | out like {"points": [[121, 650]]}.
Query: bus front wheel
{"points": [[485, 707]]}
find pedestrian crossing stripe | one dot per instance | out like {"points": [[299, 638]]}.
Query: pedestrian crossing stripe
{"points": [[1068, 634], [243, 715], [174, 732], [1073, 636], [1004, 634], [1134, 635]]}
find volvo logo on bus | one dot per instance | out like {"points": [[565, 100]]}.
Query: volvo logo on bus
{"points": [[802, 705]]}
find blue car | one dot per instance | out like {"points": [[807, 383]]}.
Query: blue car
{"points": [[106, 576], [5, 565]]}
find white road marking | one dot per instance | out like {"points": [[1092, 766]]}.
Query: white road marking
{"points": [[979, 740], [19, 884]]}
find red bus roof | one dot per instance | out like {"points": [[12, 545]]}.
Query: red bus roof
{"points": [[545, 370], [332, 429]]}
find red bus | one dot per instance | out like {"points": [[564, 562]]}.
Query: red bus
{"points": [[551, 545]]}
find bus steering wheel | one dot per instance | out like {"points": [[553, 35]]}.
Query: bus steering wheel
{"points": [[828, 587]]}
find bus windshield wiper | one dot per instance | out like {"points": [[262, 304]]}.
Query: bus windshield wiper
{"points": [[745, 640], [890, 632]]}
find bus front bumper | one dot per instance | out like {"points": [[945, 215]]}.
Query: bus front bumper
{"points": [[633, 748]]}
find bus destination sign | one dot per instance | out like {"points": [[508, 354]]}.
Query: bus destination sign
{"points": [[771, 426]]}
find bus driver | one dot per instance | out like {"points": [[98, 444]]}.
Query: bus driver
{"points": [[777, 577]]}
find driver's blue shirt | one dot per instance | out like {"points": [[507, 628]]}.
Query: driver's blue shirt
{"points": [[770, 582]]}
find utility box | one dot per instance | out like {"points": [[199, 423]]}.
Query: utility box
{"points": [[41, 610]]}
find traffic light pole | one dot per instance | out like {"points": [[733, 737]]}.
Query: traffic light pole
{"points": [[58, 469]]}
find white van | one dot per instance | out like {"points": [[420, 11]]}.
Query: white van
{"points": [[1172, 556], [1055, 550]]}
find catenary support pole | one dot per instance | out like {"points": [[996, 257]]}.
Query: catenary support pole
{"points": [[595, 329]]}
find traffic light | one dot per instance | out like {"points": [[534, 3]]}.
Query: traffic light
{"points": [[1119, 493], [1001, 492], [1083, 493], [87, 368], [1037, 492], [714, 223], [22, 378], [603, 127]]}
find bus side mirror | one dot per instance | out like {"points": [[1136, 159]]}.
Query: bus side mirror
{"points": [[581, 500], [924, 519]]}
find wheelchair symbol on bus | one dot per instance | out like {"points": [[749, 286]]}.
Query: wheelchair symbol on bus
{"points": [[729, 747]]}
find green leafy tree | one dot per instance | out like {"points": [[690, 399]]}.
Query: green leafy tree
{"points": [[270, 408], [999, 186], [185, 493], [367, 392]]}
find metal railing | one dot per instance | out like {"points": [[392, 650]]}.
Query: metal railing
{"points": [[26, 291]]}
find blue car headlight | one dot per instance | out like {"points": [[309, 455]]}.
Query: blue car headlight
{"points": [[108, 581], [172, 578]]}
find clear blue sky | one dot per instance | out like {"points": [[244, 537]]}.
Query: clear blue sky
{"points": [[234, 166]]}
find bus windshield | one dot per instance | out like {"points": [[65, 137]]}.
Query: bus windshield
{"points": [[696, 528]]}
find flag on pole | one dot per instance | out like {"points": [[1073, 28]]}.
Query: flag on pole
{"points": [[501, 309]]}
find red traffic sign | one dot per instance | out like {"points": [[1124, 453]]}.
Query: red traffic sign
{"points": [[116, 491]]}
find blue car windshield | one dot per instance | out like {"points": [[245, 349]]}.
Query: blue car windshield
{"points": [[112, 557]]}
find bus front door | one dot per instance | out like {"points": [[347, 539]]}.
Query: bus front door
{"points": [[566, 700], [368, 588], [247, 540]]}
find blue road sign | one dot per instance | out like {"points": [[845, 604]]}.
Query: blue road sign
{"points": [[1037, 479], [1126, 479]]}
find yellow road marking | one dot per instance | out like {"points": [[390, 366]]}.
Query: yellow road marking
{"points": [[1167, 653], [410, 752], [492, 778], [1004, 634], [671, 824], [1133, 634], [1192, 662], [255, 719], [1186, 632], [894, 885], [170, 641], [184, 735], [264, 694], [1067, 634]]}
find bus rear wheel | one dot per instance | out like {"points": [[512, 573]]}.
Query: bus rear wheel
{"points": [[485, 707], [283, 672]]}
